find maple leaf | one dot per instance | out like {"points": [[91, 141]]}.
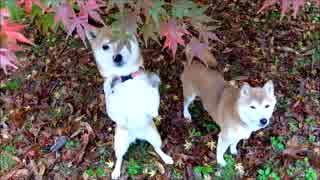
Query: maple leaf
{"points": [[71, 21], [4, 12], [91, 8], [296, 6], [11, 32], [145, 6], [28, 5], [284, 7], [200, 50], [149, 31], [173, 34], [266, 5], [157, 11], [7, 60], [64, 13], [80, 24], [195, 49], [285, 4]]}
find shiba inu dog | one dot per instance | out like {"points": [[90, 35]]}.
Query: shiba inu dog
{"points": [[238, 111], [131, 94]]}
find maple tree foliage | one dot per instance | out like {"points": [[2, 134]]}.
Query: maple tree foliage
{"points": [[285, 5], [155, 19], [28, 5], [78, 22], [173, 35], [9, 36]]}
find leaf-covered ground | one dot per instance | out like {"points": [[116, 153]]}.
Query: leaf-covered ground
{"points": [[58, 97]]}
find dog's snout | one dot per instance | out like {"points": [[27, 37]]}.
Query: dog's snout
{"points": [[263, 121], [118, 59]]}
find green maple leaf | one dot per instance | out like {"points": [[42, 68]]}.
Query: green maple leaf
{"points": [[123, 29], [157, 12], [149, 31], [118, 3]]}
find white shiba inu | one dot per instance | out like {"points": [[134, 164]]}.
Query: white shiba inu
{"points": [[238, 112], [132, 95]]}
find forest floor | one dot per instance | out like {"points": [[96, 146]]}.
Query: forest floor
{"points": [[58, 97]]}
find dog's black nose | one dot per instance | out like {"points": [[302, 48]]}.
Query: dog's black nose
{"points": [[263, 121], [118, 59]]}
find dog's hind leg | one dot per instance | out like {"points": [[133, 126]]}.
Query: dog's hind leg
{"points": [[121, 145], [189, 95], [223, 144], [187, 101], [153, 137]]}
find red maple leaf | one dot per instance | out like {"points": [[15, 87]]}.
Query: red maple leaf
{"points": [[91, 8], [73, 22], [285, 4], [173, 34], [200, 50], [284, 7], [10, 30], [80, 24], [4, 12], [266, 5], [28, 5], [8, 60], [64, 13], [296, 6]]}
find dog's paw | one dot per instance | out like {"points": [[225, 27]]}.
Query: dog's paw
{"points": [[234, 151], [222, 162], [116, 173], [167, 159], [187, 115]]}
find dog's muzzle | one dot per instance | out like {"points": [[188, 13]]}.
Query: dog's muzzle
{"points": [[118, 60], [263, 122]]}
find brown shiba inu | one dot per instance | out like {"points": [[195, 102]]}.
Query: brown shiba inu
{"points": [[238, 112]]}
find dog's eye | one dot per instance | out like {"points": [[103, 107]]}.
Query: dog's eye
{"points": [[105, 47], [267, 106], [252, 107]]}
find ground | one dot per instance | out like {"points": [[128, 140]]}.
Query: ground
{"points": [[57, 96]]}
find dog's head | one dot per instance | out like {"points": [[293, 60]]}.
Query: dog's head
{"points": [[256, 105], [111, 59]]}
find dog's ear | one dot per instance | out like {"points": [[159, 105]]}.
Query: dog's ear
{"points": [[92, 33], [269, 88], [245, 89]]}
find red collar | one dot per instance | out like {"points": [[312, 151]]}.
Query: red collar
{"points": [[121, 79]]}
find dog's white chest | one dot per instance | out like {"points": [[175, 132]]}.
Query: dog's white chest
{"points": [[133, 103]]}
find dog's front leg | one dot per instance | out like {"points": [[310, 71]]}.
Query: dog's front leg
{"points": [[121, 145], [187, 101], [233, 147], [222, 147]]}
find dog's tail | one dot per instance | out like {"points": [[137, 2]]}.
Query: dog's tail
{"points": [[154, 80], [207, 59]]}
